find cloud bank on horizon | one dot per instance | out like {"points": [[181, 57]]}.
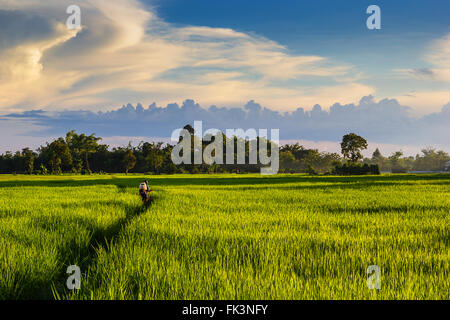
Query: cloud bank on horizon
{"points": [[385, 121], [125, 52]]}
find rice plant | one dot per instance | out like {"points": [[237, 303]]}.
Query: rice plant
{"points": [[225, 237]]}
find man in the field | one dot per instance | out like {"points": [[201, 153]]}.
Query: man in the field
{"points": [[144, 190]]}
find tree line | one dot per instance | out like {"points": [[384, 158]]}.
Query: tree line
{"points": [[85, 154]]}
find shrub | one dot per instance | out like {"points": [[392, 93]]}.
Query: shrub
{"points": [[310, 170], [356, 169], [195, 170], [43, 170]]}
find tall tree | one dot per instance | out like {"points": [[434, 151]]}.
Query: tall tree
{"points": [[57, 154], [155, 161], [28, 157], [129, 160], [376, 154], [287, 160], [297, 150], [82, 145], [397, 163], [431, 160], [352, 145], [378, 158]]}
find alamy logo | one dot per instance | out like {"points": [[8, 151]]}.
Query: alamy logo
{"points": [[374, 281], [74, 280], [74, 20], [374, 21], [258, 152]]}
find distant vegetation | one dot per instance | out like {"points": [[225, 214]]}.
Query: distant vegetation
{"points": [[84, 154]]}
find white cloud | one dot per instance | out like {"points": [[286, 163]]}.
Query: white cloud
{"points": [[429, 100], [438, 56], [425, 101], [125, 48]]}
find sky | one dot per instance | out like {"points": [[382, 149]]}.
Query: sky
{"points": [[282, 56]]}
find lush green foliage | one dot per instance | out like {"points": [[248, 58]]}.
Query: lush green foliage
{"points": [[430, 160], [352, 145], [79, 153], [351, 168], [225, 237]]}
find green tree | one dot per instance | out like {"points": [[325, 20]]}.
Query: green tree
{"points": [[55, 164], [57, 154], [399, 164], [351, 147], [297, 150], [43, 170], [377, 158], [155, 161], [82, 146], [288, 162], [28, 157], [431, 160], [129, 160]]}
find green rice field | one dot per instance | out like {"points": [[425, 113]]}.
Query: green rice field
{"points": [[225, 237]]}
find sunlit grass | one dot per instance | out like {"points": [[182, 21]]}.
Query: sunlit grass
{"points": [[226, 237]]}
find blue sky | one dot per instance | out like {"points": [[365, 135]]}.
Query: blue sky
{"points": [[286, 21], [283, 55], [335, 29], [332, 28]]}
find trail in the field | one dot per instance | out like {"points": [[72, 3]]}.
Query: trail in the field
{"points": [[104, 238]]}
